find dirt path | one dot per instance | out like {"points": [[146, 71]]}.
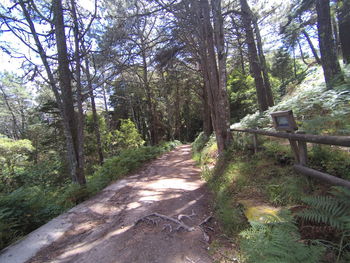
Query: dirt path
{"points": [[103, 230]]}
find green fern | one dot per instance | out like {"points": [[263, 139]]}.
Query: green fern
{"points": [[333, 210], [278, 241]]}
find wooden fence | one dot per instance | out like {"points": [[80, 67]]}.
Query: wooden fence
{"points": [[299, 148]]}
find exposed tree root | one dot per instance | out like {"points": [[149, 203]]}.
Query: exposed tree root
{"points": [[176, 221], [206, 220], [180, 216]]}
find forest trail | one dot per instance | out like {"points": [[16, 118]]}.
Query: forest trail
{"points": [[103, 229]]}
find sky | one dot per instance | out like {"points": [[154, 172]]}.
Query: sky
{"points": [[15, 65]]}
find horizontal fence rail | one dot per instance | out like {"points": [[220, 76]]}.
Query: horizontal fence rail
{"points": [[320, 139], [298, 144]]}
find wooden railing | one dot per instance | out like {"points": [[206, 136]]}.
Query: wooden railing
{"points": [[299, 148]]}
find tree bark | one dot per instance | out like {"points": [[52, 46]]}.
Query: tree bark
{"points": [[207, 123], [214, 69], [253, 57], [312, 47], [94, 111], [330, 64], [72, 163], [344, 26], [263, 64], [80, 115], [64, 76]]}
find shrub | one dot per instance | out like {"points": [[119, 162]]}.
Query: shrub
{"points": [[24, 210]]}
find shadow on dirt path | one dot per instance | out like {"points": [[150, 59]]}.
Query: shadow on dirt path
{"points": [[103, 228]]}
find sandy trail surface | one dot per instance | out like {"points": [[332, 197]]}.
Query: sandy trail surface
{"points": [[103, 229]]}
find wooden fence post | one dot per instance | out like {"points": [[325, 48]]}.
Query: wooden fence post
{"points": [[255, 142], [302, 151], [295, 150]]}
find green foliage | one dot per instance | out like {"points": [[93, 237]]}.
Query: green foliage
{"points": [[277, 241], [333, 210], [24, 210], [282, 65], [208, 154], [127, 136], [242, 94], [13, 157], [231, 216]]}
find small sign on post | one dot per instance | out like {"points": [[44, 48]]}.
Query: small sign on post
{"points": [[284, 121]]}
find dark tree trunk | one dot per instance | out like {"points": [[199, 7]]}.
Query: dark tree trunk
{"points": [[240, 45], [335, 34], [330, 64], [253, 57], [344, 28], [94, 112], [64, 76], [312, 47], [207, 124], [71, 157], [263, 64], [214, 70], [80, 115], [302, 53]]}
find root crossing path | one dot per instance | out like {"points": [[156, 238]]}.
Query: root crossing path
{"points": [[130, 220]]}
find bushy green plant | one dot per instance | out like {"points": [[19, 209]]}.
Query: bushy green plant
{"points": [[13, 157], [278, 241], [242, 94], [25, 209], [126, 137]]}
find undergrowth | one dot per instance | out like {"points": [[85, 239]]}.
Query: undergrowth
{"points": [[27, 208], [268, 177]]}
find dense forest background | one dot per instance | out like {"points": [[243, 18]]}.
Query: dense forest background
{"points": [[102, 85]]}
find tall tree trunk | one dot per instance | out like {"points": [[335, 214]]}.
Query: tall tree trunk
{"points": [[330, 64], [94, 111], [302, 53], [207, 124], [263, 64], [150, 103], [335, 34], [80, 115], [72, 163], [312, 47], [64, 76], [344, 27], [253, 57], [240, 45], [214, 70]]}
